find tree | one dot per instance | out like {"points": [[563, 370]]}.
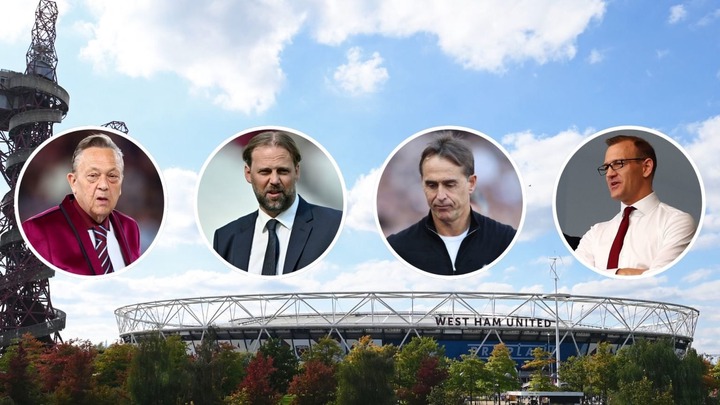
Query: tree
{"points": [[642, 392], [501, 371], [256, 387], [464, 376], [365, 375], [316, 384], [539, 378], [601, 370], [18, 371], [112, 366], [325, 350], [66, 370], [574, 375], [231, 366], [284, 361], [408, 362], [159, 371]]}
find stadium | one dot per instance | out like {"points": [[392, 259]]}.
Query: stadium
{"points": [[462, 322]]}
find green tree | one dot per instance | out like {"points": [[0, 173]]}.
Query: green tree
{"points": [[501, 371], [112, 366], [540, 365], [231, 365], [573, 372], [284, 361], [365, 375], [464, 376], [642, 392], [159, 371], [408, 362], [326, 350], [601, 371]]}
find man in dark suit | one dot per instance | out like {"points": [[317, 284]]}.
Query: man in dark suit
{"points": [[85, 234], [286, 233]]}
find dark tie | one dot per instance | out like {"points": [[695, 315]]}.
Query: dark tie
{"points": [[101, 248], [619, 239], [272, 251]]}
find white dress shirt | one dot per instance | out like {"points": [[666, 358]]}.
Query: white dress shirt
{"points": [[657, 235], [260, 238], [113, 248]]}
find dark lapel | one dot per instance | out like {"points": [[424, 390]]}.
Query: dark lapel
{"points": [[242, 242], [72, 216], [302, 225]]}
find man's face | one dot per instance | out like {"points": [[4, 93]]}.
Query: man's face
{"points": [[273, 176], [447, 189], [631, 182], [97, 182]]}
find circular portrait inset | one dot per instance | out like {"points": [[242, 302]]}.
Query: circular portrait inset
{"points": [[90, 201], [450, 201], [629, 202], [270, 201]]}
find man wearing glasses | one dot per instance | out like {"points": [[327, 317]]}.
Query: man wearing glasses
{"points": [[646, 234]]}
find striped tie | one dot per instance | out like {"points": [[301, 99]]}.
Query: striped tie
{"points": [[101, 248]]}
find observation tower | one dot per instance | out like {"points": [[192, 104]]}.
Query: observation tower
{"points": [[30, 104]]}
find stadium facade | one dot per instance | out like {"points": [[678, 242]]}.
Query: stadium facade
{"points": [[463, 322]]}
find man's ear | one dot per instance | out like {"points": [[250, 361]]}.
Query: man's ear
{"points": [[247, 173], [648, 166], [71, 181]]}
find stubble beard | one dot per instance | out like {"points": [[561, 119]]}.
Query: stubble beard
{"points": [[276, 206]]}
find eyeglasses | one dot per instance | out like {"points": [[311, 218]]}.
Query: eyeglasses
{"points": [[616, 165]]}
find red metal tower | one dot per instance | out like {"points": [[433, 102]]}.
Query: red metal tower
{"points": [[30, 104]]}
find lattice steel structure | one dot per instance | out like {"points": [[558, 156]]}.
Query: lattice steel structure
{"points": [[30, 104], [474, 319]]}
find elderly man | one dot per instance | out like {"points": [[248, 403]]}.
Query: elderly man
{"points": [[85, 234], [646, 234], [452, 239], [286, 233]]}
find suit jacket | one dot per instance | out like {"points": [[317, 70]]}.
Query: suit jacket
{"points": [[60, 237], [312, 232]]}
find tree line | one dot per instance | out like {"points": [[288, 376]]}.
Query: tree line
{"points": [[159, 370]]}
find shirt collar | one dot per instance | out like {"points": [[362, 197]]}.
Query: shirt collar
{"points": [[644, 205], [286, 218]]}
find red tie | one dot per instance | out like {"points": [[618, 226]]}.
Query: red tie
{"points": [[101, 248], [619, 239]]}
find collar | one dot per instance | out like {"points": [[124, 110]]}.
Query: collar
{"points": [[645, 205], [286, 218], [86, 219]]}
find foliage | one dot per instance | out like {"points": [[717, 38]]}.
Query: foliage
{"points": [[420, 355], [540, 365], [326, 350], [501, 370], [365, 376], [256, 386], [66, 370], [284, 361], [19, 377], [464, 375], [159, 371], [316, 384], [642, 392]]}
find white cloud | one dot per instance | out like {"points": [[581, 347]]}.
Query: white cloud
{"points": [[478, 35], [179, 226], [229, 51], [18, 17], [698, 275], [662, 53], [709, 18], [361, 202], [540, 175], [359, 76], [677, 13], [704, 150], [596, 56]]}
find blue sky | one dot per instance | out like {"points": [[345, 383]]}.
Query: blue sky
{"points": [[539, 77]]}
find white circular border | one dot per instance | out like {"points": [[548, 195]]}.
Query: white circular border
{"points": [[522, 196], [259, 129], [651, 131], [105, 130]]}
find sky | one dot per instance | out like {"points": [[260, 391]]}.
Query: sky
{"points": [[539, 77]]}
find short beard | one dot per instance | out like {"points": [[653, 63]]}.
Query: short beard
{"points": [[275, 207]]}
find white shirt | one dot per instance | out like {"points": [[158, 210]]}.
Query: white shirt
{"points": [[657, 235], [260, 238], [452, 245], [113, 248]]}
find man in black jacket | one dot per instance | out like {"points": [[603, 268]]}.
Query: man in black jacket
{"points": [[452, 239]]}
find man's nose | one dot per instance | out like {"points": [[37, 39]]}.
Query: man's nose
{"points": [[103, 182], [274, 178]]}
